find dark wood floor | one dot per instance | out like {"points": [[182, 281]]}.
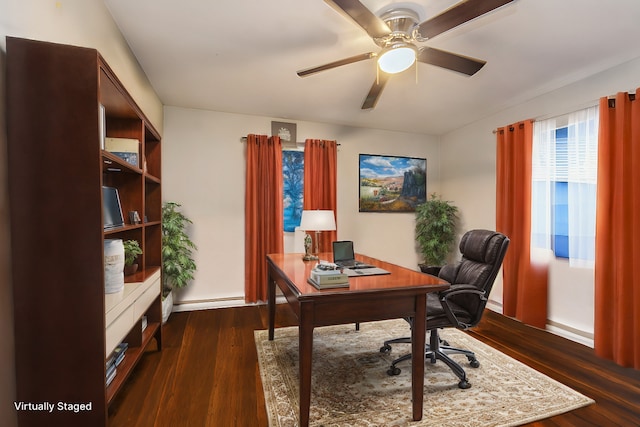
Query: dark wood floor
{"points": [[207, 373]]}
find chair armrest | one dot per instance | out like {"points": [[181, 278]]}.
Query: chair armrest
{"points": [[458, 290]]}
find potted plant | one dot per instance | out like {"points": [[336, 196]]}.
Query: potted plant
{"points": [[178, 265], [131, 252], [436, 222]]}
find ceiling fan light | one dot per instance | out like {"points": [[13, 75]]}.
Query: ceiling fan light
{"points": [[397, 58]]}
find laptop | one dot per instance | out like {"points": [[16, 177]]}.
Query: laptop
{"points": [[345, 257], [111, 208]]}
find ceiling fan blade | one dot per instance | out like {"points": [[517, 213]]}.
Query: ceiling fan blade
{"points": [[376, 89], [334, 64], [458, 14], [450, 61], [373, 25]]}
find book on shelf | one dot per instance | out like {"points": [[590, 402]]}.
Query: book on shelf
{"points": [[127, 149], [111, 374], [324, 279], [111, 361], [119, 352], [111, 370], [144, 323]]}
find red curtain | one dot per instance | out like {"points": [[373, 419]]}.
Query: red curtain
{"points": [[617, 264], [264, 232], [320, 182], [524, 282]]}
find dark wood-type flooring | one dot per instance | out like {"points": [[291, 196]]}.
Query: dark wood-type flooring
{"points": [[207, 373]]}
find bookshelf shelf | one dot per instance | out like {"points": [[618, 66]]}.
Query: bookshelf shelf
{"points": [[66, 327], [115, 164], [130, 360]]}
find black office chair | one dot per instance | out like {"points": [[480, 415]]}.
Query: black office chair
{"points": [[462, 305]]}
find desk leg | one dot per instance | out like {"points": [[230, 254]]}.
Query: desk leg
{"points": [[418, 337], [271, 301], [305, 340]]}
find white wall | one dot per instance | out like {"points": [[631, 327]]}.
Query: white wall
{"points": [[76, 22], [468, 157], [204, 167], [81, 23]]}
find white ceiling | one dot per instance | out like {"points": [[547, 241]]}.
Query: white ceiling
{"points": [[241, 56]]}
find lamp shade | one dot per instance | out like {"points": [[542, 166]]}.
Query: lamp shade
{"points": [[397, 58], [318, 220]]}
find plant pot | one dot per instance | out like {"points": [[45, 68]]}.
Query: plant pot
{"points": [[130, 269], [430, 269], [167, 307]]}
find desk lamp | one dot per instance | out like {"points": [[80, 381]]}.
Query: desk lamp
{"points": [[316, 220]]}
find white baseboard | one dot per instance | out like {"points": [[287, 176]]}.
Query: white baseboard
{"points": [[216, 303], [556, 328], [570, 333], [494, 306]]}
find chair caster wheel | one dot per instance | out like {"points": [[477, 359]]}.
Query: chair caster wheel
{"points": [[385, 349], [393, 371], [463, 384], [474, 363]]}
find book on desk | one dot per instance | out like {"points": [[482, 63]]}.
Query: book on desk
{"points": [[325, 279]]}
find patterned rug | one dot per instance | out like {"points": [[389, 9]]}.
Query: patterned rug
{"points": [[350, 386]]}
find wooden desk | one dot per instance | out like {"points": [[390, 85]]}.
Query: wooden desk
{"points": [[403, 293]]}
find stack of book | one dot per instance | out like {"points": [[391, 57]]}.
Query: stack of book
{"points": [[324, 279], [120, 351], [115, 360], [111, 370]]}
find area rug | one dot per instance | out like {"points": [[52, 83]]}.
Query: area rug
{"points": [[350, 386]]}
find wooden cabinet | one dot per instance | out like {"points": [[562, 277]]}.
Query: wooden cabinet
{"points": [[61, 102]]}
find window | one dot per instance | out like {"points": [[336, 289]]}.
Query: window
{"points": [[560, 200], [292, 186], [563, 192]]}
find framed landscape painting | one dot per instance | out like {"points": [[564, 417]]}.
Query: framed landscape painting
{"points": [[392, 183]]}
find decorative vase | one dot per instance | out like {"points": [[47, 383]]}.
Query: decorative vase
{"points": [[130, 269], [430, 269], [167, 307], [113, 265]]}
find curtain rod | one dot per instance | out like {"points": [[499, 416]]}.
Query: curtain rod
{"points": [[582, 106], [511, 128], [244, 139]]}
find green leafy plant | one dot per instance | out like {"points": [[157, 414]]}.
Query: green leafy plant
{"points": [[131, 251], [178, 265], [436, 222]]}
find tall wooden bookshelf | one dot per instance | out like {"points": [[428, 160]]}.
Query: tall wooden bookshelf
{"points": [[65, 325]]}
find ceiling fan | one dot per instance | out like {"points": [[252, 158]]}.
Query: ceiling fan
{"points": [[397, 31]]}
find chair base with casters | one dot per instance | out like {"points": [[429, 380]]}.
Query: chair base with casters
{"points": [[461, 306], [437, 349]]}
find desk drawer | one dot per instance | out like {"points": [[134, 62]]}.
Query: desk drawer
{"points": [[330, 313]]}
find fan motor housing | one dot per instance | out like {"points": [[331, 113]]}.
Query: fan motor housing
{"points": [[402, 22]]}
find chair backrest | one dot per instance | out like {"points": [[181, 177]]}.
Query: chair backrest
{"points": [[482, 254]]}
